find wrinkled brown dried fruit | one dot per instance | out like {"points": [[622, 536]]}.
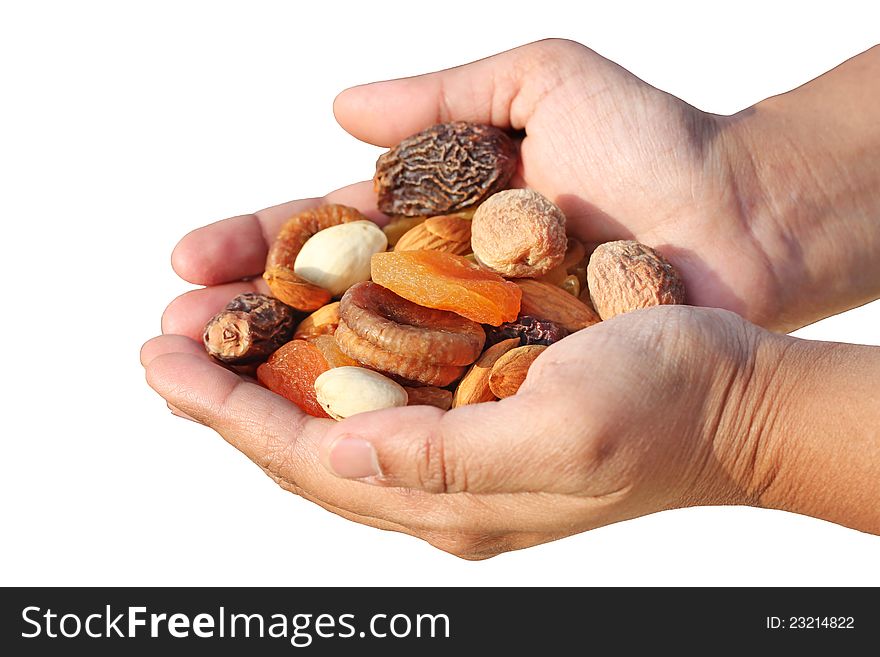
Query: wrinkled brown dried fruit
{"points": [[519, 234], [447, 233], [429, 396], [626, 275], [474, 386], [321, 322], [413, 370], [394, 324], [443, 169], [279, 274], [528, 330], [249, 329], [291, 372], [510, 370], [555, 304]]}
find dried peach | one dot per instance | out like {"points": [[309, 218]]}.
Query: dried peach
{"points": [[291, 372], [448, 282]]}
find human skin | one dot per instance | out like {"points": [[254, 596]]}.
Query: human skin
{"points": [[771, 213]]}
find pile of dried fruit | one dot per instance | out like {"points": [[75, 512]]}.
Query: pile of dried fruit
{"points": [[479, 279]]}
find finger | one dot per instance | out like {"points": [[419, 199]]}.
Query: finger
{"points": [[188, 313], [519, 444], [265, 427], [502, 90], [163, 344], [284, 442], [236, 248]]}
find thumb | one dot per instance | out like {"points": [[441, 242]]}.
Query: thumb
{"points": [[502, 90], [522, 443]]}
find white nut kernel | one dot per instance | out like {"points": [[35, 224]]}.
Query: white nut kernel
{"points": [[346, 391], [338, 257]]}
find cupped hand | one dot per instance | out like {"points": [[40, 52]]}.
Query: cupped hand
{"points": [[613, 422], [622, 419]]}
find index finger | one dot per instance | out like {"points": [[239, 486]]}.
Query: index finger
{"points": [[236, 248]]}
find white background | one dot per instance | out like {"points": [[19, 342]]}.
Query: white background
{"points": [[125, 125]]}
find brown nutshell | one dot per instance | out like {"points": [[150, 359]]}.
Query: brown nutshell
{"points": [[626, 275], [249, 329], [443, 169]]}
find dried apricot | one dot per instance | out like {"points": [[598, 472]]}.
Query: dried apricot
{"points": [[394, 324], [448, 282], [291, 372]]}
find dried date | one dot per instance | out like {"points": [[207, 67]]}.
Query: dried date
{"points": [[444, 169], [249, 329]]}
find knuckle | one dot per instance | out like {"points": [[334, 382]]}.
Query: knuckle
{"points": [[433, 460]]}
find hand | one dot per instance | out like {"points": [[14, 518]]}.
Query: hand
{"points": [[616, 421], [633, 442]]}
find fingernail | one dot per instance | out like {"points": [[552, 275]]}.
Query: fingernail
{"points": [[353, 458]]}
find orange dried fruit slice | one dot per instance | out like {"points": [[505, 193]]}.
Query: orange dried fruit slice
{"points": [[291, 372], [448, 282]]}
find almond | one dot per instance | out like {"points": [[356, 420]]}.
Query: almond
{"points": [[450, 227], [510, 370], [554, 304], [447, 233], [322, 321], [474, 387]]}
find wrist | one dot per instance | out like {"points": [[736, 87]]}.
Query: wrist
{"points": [[804, 174], [802, 433]]}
